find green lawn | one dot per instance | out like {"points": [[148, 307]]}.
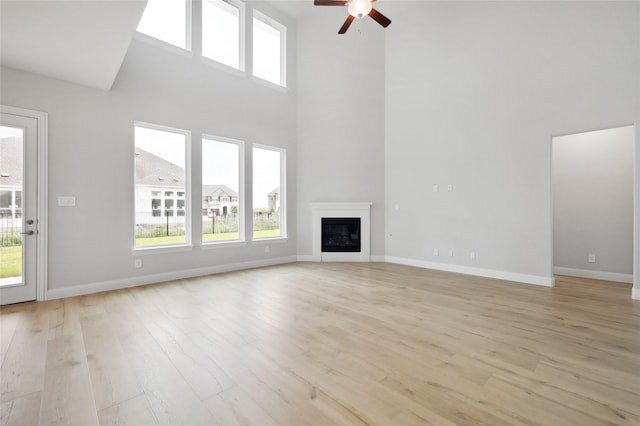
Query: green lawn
{"points": [[10, 261], [179, 239]]}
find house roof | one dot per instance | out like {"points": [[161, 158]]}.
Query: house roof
{"points": [[11, 162], [275, 191], [152, 170], [217, 190]]}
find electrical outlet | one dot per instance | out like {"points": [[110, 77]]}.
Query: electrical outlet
{"points": [[137, 263], [472, 255], [449, 187], [591, 258], [450, 253], [435, 188], [436, 252]]}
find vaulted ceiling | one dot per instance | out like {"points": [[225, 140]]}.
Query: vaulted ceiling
{"points": [[82, 42]]}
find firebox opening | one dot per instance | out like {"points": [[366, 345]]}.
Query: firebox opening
{"points": [[341, 234]]}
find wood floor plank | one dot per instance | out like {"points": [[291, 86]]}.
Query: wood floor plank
{"points": [[133, 412], [113, 379], [67, 397], [326, 344], [22, 371], [172, 400], [21, 411]]}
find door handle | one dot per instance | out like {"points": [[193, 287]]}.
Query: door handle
{"points": [[28, 232]]}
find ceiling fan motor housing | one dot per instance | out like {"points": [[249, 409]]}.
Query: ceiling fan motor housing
{"points": [[359, 8]]}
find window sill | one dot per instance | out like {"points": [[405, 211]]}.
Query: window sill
{"points": [[222, 67], [222, 244], [144, 251], [270, 240], [266, 83]]}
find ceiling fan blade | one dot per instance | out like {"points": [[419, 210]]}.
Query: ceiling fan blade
{"points": [[330, 2], [346, 24], [379, 18]]}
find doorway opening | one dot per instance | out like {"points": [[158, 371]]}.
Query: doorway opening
{"points": [[592, 176]]}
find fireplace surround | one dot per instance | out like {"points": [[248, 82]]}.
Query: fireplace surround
{"points": [[341, 210]]}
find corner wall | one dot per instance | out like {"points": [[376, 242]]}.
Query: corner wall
{"points": [[340, 119]]}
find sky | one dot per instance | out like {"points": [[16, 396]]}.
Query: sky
{"points": [[9, 132]]}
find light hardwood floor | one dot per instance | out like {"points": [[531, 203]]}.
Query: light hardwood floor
{"points": [[325, 344]]}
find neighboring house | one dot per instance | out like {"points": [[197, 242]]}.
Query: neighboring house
{"points": [[159, 186], [160, 190], [218, 200], [11, 178], [274, 200]]}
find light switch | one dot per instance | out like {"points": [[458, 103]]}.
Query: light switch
{"points": [[67, 201]]}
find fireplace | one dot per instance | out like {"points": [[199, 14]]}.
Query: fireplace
{"points": [[340, 234], [348, 243]]}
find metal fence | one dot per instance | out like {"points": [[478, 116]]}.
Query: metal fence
{"points": [[263, 221], [149, 225], [220, 224], [10, 230]]}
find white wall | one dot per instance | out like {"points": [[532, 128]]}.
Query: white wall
{"points": [[91, 157], [592, 184], [474, 93], [340, 119]]}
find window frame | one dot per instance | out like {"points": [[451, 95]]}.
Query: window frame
{"points": [[283, 47], [283, 193], [187, 50], [241, 36], [187, 244], [241, 190]]}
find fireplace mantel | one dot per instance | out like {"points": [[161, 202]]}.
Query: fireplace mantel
{"points": [[341, 209]]}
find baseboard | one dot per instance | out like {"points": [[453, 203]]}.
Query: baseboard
{"points": [[80, 290], [480, 272], [596, 275]]}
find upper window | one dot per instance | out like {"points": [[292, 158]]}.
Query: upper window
{"points": [[169, 21], [223, 32], [222, 171], [269, 47], [268, 192], [161, 163]]}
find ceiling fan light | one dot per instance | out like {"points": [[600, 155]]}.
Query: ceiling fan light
{"points": [[359, 8]]}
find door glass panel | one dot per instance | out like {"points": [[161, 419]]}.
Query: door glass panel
{"points": [[11, 183]]}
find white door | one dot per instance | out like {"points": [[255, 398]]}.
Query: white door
{"points": [[18, 208]]}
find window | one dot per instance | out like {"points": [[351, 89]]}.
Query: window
{"points": [[222, 181], [223, 32], [161, 216], [269, 47], [268, 192], [169, 21]]}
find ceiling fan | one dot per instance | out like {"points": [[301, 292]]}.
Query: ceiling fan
{"points": [[357, 9]]}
